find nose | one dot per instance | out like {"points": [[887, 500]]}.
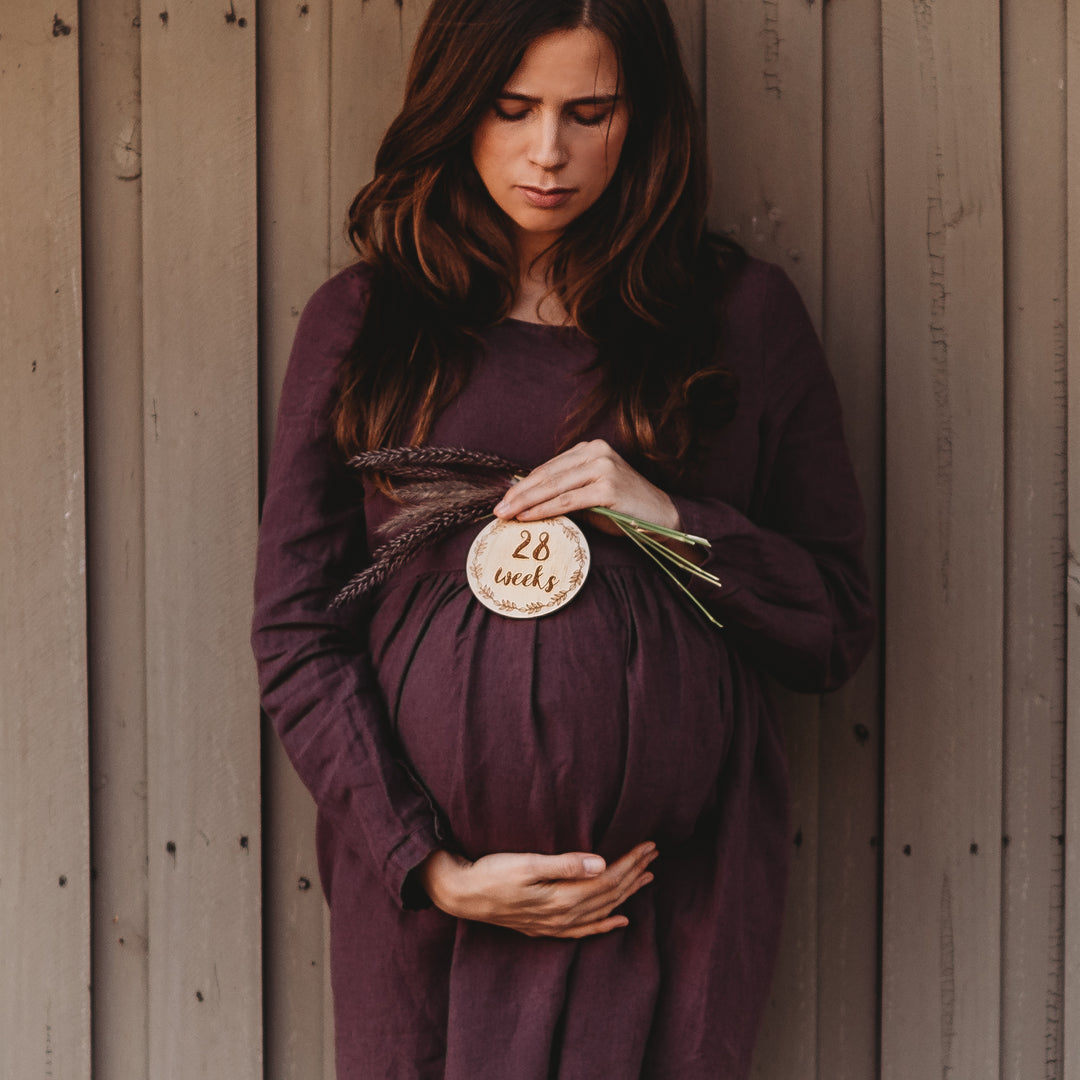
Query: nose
{"points": [[548, 148]]}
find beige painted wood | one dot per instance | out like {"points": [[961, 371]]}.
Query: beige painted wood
{"points": [[851, 730], [112, 257], [1071, 1033], [1033, 39], [763, 107], [943, 679], [294, 128], [201, 441], [764, 110], [44, 790], [329, 1072], [689, 19], [370, 50]]}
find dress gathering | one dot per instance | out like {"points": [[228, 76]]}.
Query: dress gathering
{"points": [[420, 720]]}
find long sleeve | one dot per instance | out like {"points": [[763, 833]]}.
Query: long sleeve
{"points": [[794, 589], [317, 684]]}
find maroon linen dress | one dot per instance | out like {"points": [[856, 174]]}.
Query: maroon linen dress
{"points": [[423, 720]]}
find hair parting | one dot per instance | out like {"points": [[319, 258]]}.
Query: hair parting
{"points": [[637, 273]]}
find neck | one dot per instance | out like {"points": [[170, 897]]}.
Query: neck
{"points": [[534, 301]]}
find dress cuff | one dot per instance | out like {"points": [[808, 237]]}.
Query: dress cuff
{"points": [[401, 878]]}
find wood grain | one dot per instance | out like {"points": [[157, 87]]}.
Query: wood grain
{"points": [[1035, 459], [201, 440], [689, 19], [294, 213], [44, 790], [112, 230], [1071, 1032], [764, 110], [945, 563], [851, 727], [370, 50], [764, 107]]}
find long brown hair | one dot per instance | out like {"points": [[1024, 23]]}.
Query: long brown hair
{"points": [[636, 272]]}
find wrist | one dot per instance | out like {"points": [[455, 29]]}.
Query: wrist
{"points": [[439, 875], [670, 518]]}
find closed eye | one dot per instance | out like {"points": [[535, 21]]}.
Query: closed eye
{"points": [[592, 119], [586, 112], [509, 114]]}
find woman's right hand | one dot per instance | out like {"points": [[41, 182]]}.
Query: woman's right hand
{"points": [[566, 896]]}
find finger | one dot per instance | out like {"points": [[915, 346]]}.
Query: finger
{"points": [[561, 885], [529, 494], [573, 468], [643, 853], [567, 502], [574, 455], [602, 926], [569, 866], [618, 876], [615, 899], [589, 462], [580, 865], [608, 901], [597, 898]]}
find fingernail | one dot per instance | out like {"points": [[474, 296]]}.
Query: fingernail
{"points": [[592, 865], [501, 508]]}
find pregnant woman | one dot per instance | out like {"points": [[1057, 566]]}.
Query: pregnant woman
{"points": [[554, 846]]}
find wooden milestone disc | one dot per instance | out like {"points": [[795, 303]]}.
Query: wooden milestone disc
{"points": [[524, 569]]}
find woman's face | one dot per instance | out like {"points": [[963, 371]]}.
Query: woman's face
{"points": [[551, 142]]}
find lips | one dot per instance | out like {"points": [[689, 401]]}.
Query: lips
{"points": [[546, 198]]}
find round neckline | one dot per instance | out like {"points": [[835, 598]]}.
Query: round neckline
{"points": [[538, 326]]}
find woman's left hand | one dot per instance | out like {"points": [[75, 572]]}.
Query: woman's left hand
{"points": [[588, 474]]}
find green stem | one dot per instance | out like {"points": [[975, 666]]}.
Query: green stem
{"points": [[647, 526], [637, 539], [664, 552]]}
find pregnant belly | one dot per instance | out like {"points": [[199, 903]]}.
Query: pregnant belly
{"points": [[593, 728]]}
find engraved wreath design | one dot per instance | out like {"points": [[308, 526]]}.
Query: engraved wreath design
{"points": [[533, 608]]}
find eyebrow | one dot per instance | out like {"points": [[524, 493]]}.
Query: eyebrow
{"points": [[591, 99]]}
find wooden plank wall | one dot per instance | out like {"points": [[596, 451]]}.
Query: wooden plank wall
{"points": [[945, 573], [910, 163], [44, 788], [294, 231], [112, 262], [768, 194], [1070, 1036], [1034, 175], [200, 401]]}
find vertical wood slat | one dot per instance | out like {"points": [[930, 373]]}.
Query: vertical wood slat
{"points": [[943, 242], [1033, 43], [294, 178], [44, 797], [113, 312], [849, 821], [370, 45], [689, 19], [764, 109], [1071, 1032], [201, 438]]}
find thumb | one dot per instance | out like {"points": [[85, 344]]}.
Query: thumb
{"points": [[574, 864]]}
